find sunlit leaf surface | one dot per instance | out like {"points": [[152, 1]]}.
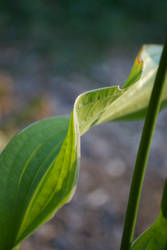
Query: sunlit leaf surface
{"points": [[40, 165]]}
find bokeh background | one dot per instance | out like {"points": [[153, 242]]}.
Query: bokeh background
{"points": [[50, 52]]}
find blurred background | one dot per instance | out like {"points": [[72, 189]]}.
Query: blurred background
{"points": [[50, 52]]}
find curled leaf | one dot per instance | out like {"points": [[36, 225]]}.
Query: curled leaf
{"points": [[39, 167]]}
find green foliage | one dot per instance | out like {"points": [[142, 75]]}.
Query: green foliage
{"points": [[155, 237], [40, 165], [80, 14], [143, 152], [23, 167], [72, 34]]}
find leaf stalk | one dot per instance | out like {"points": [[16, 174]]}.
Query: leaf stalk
{"points": [[143, 153]]}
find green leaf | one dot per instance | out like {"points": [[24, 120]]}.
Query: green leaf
{"points": [[39, 167], [155, 237], [16, 248], [24, 166], [136, 71]]}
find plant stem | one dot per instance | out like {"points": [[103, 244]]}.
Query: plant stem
{"points": [[143, 153]]}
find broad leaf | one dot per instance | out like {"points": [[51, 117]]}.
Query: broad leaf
{"points": [[39, 166], [23, 166], [155, 238]]}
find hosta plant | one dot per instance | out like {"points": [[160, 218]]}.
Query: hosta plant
{"points": [[39, 167]]}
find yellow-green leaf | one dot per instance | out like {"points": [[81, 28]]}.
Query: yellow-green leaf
{"points": [[39, 167]]}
